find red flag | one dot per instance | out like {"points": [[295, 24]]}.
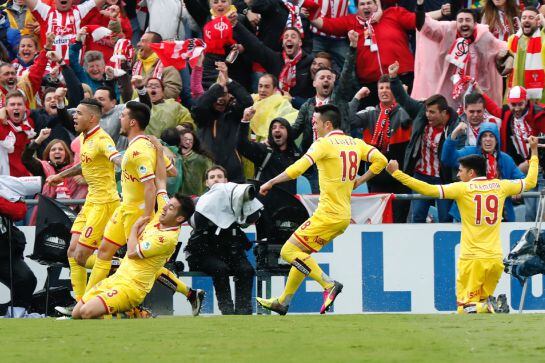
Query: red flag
{"points": [[176, 53]]}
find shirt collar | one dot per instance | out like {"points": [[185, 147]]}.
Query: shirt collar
{"points": [[158, 226], [91, 132], [138, 137]]}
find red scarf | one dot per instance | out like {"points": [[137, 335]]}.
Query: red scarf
{"points": [[381, 136], [459, 56], [491, 166], [294, 16], [218, 34], [288, 75], [369, 34]]}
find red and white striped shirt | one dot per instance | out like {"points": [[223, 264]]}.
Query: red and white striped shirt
{"points": [[521, 132], [331, 9], [429, 162], [64, 24]]}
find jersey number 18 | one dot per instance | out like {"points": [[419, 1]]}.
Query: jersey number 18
{"points": [[350, 165]]}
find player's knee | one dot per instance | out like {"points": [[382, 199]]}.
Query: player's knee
{"points": [[106, 250], [86, 312], [81, 257]]}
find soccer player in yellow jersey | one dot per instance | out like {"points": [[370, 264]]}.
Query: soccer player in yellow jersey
{"points": [[147, 252], [98, 155], [337, 157], [137, 187], [481, 207]]}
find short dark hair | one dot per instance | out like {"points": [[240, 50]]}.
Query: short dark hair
{"points": [[473, 98], [531, 8], [325, 69], [475, 162], [384, 79], [139, 112], [156, 37], [438, 100], [331, 113], [93, 105], [294, 29], [324, 55], [31, 37], [467, 11], [187, 205], [49, 90], [273, 78], [15, 94], [110, 90], [171, 136], [215, 167]]}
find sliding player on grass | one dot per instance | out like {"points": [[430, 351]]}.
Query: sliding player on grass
{"points": [[338, 158], [481, 207], [147, 252]]}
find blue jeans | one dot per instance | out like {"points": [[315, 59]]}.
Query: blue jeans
{"points": [[420, 207], [336, 47]]}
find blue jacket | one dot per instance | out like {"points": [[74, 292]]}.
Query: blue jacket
{"points": [[506, 165], [13, 37]]}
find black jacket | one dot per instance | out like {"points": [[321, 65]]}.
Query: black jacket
{"points": [[61, 125], [274, 16], [273, 61], [219, 131], [417, 112], [278, 161]]}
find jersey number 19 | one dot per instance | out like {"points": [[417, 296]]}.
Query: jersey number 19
{"points": [[489, 206]]}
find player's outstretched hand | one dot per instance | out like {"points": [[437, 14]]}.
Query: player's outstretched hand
{"points": [[265, 188], [54, 180], [392, 166], [533, 142]]}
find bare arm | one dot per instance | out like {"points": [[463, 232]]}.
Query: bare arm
{"points": [[149, 197], [280, 178], [132, 241], [160, 167], [31, 4]]}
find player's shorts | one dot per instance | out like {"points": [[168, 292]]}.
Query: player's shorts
{"points": [[477, 279], [317, 231], [119, 226], [117, 295], [91, 222]]}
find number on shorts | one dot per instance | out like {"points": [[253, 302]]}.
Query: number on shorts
{"points": [[490, 206], [88, 232], [112, 293], [350, 165], [305, 225]]}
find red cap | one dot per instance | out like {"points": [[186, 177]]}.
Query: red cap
{"points": [[517, 94]]}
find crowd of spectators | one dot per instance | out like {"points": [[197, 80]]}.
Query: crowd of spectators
{"points": [[424, 81]]}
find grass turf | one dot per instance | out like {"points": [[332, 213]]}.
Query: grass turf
{"points": [[295, 338]]}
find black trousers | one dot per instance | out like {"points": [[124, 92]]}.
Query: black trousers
{"points": [[220, 267], [24, 281]]}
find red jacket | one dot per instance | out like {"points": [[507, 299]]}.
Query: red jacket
{"points": [[391, 37], [16, 167]]}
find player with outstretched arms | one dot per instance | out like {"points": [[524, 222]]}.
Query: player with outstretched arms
{"points": [[337, 157], [480, 201]]}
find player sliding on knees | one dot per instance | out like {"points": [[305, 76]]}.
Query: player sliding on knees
{"points": [[481, 207], [149, 246], [337, 157]]}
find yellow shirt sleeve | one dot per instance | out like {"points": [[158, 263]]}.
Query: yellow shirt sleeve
{"points": [[154, 245], [417, 185], [452, 190], [315, 152], [145, 170], [107, 147], [372, 155], [514, 187]]}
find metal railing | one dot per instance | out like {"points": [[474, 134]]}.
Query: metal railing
{"points": [[398, 196]]}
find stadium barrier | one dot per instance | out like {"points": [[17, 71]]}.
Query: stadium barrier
{"points": [[384, 268]]}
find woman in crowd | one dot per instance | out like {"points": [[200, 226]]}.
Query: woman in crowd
{"points": [[196, 161], [502, 17]]}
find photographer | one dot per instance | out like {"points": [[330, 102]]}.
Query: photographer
{"points": [[218, 245]]}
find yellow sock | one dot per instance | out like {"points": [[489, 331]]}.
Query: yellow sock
{"points": [[90, 261], [303, 262], [295, 278], [99, 273], [78, 277], [482, 308], [170, 280]]}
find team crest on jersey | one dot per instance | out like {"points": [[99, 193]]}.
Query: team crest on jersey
{"points": [[142, 169], [161, 239], [135, 154], [146, 245], [111, 148]]}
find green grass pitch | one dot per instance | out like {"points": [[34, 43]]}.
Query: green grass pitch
{"points": [[296, 338]]}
